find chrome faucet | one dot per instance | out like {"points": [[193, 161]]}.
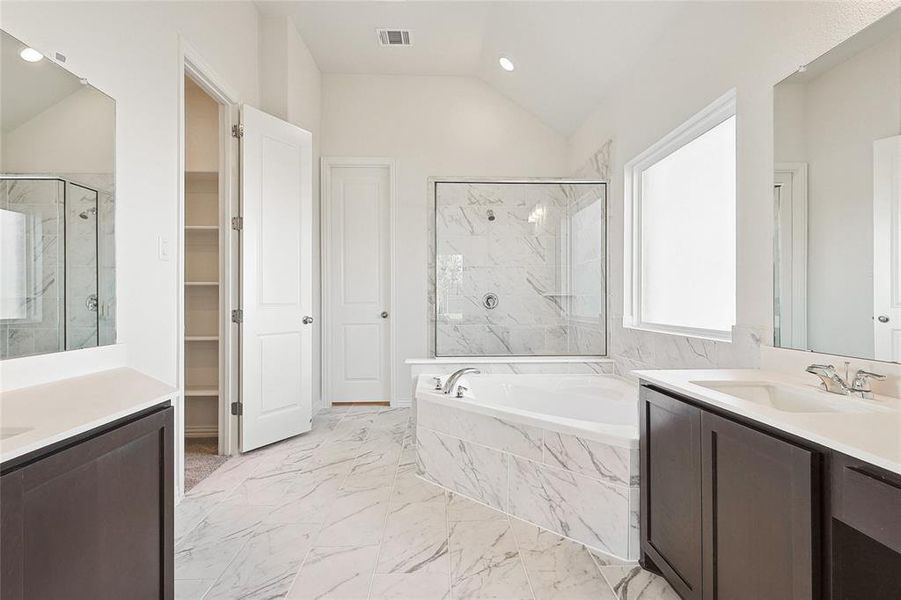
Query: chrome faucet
{"points": [[453, 377], [833, 382]]}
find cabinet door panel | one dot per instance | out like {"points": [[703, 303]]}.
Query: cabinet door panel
{"points": [[671, 489], [94, 520], [759, 532]]}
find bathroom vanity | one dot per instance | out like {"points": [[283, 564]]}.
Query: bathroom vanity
{"points": [[87, 489], [758, 485]]}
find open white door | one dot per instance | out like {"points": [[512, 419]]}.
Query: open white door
{"points": [[276, 279], [887, 248]]}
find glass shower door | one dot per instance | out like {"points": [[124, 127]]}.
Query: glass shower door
{"points": [[82, 293]]}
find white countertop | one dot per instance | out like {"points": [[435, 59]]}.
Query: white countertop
{"points": [[53, 412], [873, 437]]}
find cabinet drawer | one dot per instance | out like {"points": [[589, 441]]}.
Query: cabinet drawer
{"points": [[869, 502]]}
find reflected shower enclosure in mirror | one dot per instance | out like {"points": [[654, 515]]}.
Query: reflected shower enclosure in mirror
{"points": [[837, 199], [520, 268], [57, 201]]}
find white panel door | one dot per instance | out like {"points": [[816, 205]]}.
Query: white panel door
{"points": [[276, 279], [359, 287], [887, 248]]}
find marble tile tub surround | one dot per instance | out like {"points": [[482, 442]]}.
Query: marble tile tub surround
{"points": [[267, 523], [573, 486], [543, 255]]}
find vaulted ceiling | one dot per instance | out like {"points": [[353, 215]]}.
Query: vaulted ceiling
{"points": [[567, 54]]}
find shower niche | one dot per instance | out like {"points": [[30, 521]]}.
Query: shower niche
{"points": [[519, 268], [57, 208]]}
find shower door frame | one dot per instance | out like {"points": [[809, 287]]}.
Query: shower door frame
{"points": [[432, 262]]}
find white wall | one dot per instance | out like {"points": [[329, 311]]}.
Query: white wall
{"points": [[431, 126], [711, 48], [291, 89], [74, 135], [129, 50]]}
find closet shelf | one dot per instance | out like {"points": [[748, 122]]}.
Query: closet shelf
{"points": [[201, 338], [202, 228], [200, 283], [201, 391]]}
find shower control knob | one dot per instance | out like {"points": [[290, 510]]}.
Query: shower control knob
{"points": [[384, 314], [307, 320], [883, 318]]}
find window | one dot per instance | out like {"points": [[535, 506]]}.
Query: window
{"points": [[680, 229]]}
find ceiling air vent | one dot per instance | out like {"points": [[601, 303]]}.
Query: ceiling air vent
{"points": [[394, 37]]}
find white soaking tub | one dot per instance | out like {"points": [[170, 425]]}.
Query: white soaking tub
{"points": [[559, 451]]}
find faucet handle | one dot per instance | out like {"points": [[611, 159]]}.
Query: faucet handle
{"points": [[861, 374], [437, 381], [460, 390]]}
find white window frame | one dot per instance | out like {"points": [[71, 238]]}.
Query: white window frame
{"points": [[720, 110]]}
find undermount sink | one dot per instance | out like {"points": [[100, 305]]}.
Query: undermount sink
{"points": [[8, 432], [788, 398]]}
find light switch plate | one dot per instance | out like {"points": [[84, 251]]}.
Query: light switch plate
{"points": [[163, 248]]}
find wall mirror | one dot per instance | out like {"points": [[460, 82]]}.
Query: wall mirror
{"points": [[837, 199], [57, 206]]}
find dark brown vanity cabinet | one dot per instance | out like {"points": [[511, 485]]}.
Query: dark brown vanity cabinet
{"points": [[670, 511], [735, 510], [93, 517], [726, 511], [759, 514]]}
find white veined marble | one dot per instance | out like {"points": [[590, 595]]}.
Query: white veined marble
{"points": [[557, 451], [432, 543]]}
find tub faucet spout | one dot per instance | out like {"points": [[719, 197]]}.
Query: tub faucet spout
{"points": [[453, 377]]}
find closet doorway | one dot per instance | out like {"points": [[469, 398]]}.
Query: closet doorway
{"points": [[203, 266], [208, 254]]}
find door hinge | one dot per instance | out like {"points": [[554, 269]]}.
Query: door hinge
{"points": [[237, 409], [238, 130], [237, 316], [237, 223]]}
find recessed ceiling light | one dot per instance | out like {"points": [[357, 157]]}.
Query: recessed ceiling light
{"points": [[505, 63], [30, 55]]}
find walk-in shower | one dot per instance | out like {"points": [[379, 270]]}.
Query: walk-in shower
{"points": [[519, 268], [56, 267]]}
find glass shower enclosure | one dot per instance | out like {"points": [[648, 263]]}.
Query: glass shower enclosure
{"points": [[519, 268], [53, 266]]}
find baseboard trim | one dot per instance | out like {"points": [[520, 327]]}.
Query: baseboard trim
{"points": [[201, 431]]}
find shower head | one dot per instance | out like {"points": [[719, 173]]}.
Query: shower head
{"points": [[84, 214], [491, 216]]}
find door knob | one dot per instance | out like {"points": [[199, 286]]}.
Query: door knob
{"points": [[883, 318], [384, 314], [307, 320]]}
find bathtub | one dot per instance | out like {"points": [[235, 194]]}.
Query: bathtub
{"points": [[559, 451]]}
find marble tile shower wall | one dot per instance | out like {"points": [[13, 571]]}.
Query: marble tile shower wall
{"points": [[38, 323], [539, 247], [104, 240], [76, 258], [575, 487], [636, 349]]}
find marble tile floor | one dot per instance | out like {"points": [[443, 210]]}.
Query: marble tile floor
{"points": [[340, 513]]}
